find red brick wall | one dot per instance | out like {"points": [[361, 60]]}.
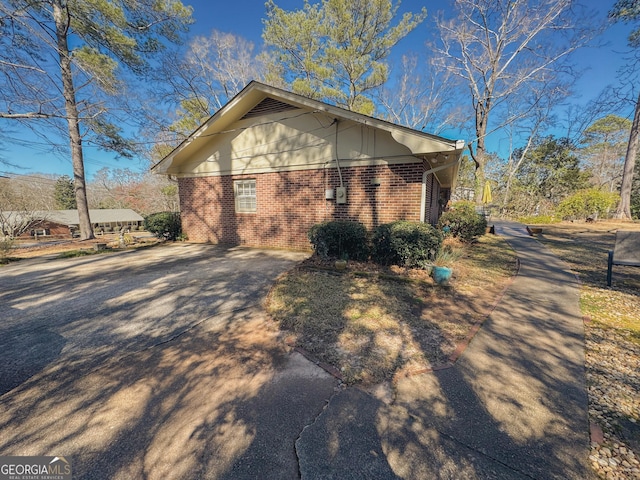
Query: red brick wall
{"points": [[289, 203], [53, 229]]}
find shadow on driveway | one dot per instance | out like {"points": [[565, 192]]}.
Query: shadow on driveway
{"points": [[161, 366]]}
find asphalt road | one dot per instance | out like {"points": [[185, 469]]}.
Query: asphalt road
{"points": [[153, 364]]}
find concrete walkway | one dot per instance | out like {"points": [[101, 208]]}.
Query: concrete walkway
{"points": [[514, 406]]}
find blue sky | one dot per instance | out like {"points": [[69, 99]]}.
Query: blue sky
{"points": [[244, 18]]}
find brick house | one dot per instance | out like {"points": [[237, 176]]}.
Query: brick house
{"points": [[270, 164], [63, 223]]}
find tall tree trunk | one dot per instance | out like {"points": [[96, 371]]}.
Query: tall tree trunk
{"points": [[62, 19], [624, 209], [480, 155], [507, 191]]}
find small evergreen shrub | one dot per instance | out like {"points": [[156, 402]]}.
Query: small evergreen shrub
{"points": [[584, 203], [340, 239], [463, 222], [404, 243], [6, 244], [538, 220], [165, 225]]}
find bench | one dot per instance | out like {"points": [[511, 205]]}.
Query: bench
{"points": [[626, 251]]}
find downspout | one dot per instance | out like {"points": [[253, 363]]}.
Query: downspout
{"points": [[336, 121], [325, 166]]}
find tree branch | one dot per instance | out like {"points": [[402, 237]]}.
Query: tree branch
{"points": [[26, 115]]}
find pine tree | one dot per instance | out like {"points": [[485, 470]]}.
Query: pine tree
{"points": [[61, 60], [64, 194], [335, 51]]}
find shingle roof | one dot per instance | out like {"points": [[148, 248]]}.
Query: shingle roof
{"points": [[70, 217]]}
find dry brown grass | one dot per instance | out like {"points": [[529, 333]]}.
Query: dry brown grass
{"points": [[373, 323], [70, 246], [584, 247], [612, 334]]}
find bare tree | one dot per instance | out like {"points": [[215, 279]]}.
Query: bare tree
{"points": [[604, 144], [624, 207], [60, 62], [525, 129], [33, 191], [225, 62], [143, 192], [198, 83], [502, 50], [23, 201], [577, 118], [629, 11], [515, 160], [421, 97]]}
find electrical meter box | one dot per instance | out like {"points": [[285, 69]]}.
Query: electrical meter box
{"points": [[341, 195]]}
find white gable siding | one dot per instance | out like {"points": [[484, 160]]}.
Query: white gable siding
{"points": [[294, 140]]}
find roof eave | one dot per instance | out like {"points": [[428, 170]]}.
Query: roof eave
{"points": [[417, 142]]}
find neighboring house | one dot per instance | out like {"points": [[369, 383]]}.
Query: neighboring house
{"points": [[65, 222], [270, 164]]}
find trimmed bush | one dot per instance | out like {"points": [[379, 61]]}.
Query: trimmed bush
{"points": [[404, 243], [6, 244], [340, 239], [584, 203], [463, 222], [165, 225]]}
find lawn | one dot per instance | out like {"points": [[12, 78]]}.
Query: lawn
{"points": [[373, 323], [69, 248], [584, 247], [612, 341]]}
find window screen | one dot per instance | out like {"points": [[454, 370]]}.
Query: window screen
{"points": [[245, 192]]}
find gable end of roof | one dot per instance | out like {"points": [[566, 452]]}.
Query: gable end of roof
{"points": [[267, 106], [258, 99]]}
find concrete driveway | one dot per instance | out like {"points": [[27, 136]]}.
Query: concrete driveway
{"points": [[153, 364]]}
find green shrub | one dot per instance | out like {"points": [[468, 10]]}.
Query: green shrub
{"points": [[404, 243], [80, 253], [6, 244], [340, 239], [463, 222], [584, 203], [165, 225], [538, 220]]}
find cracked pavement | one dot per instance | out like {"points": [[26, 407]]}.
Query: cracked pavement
{"points": [[153, 364], [514, 406], [160, 364]]}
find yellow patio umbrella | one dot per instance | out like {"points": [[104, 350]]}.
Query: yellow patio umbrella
{"points": [[486, 193]]}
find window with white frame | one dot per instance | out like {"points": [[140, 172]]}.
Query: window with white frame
{"points": [[245, 193]]}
